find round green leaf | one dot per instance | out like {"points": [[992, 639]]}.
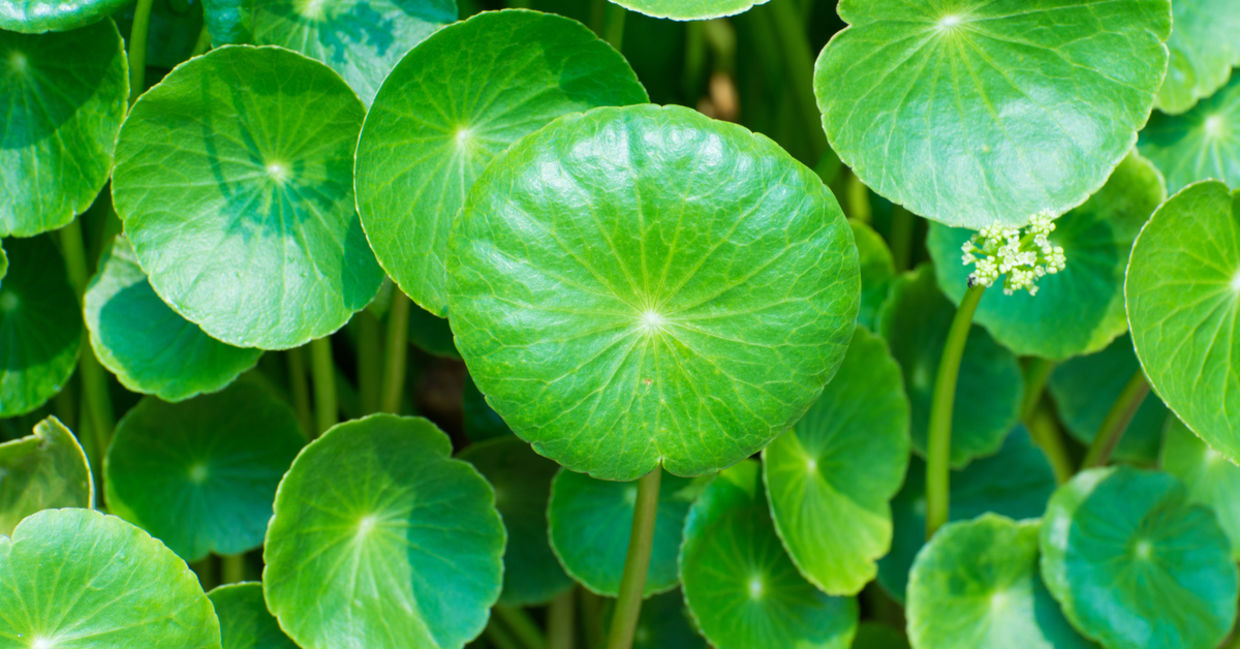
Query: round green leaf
{"points": [[1085, 388], [77, 578], [975, 112], [45, 470], [1211, 479], [1183, 293], [914, 320], [200, 475], [1078, 310], [689, 9], [1134, 564], [675, 290], [64, 98], [843, 461], [36, 16], [522, 483], [4, 262], [1203, 50], [360, 39], [228, 21], [381, 540], [40, 327], [441, 117], [245, 622], [878, 270], [590, 522], [148, 346], [1201, 144], [1015, 482], [271, 254], [976, 583], [742, 590], [664, 624]]}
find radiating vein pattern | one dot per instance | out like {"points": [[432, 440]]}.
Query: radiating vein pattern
{"points": [[673, 290], [1201, 144]]}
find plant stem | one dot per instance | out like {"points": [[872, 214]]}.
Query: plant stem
{"points": [[232, 568], [137, 48], [613, 25], [1037, 373], [591, 617], [857, 199], [636, 563], [397, 354], [1116, 421], [789, 30], [522, 626], [299, 388], [324, 374], [203, 44], [369, 361], [95, 398], [902, 225], [939, 435], [560, 614], [1046, 434]]}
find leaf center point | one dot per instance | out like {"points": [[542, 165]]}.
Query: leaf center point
{"points": [[198, 473], [1235, 282], [278, 171], [948, 23], [17, 61], [756, 587], [1215, 126], [9, 301], [652, 321]]}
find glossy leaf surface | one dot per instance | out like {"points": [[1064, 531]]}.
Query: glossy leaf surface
{"points": [[1080, 309], [742, 589], [45, 470], [200, 475], [442, 117], [149, 347], [36, 16], [974, 112], [63, 101], [689, 9], [1203, 52], [1134, 564], [914, 320], [1183, 294], [830, 479], [245, 622], [40, 326], [684, 323], [239, 207], [1211, 479], [400, 549], [77, 578], [1201, 144]]}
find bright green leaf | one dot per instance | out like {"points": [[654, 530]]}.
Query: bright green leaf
{"points": [[149, 347], [878, 270], [915, 320], [1183, 293], [228, 21], [245, 622], [239, 207], [64, 98], [1015, 482], [1135, 565], [843, 461], [664, 624], [522, 483], [976, 583], [441, 118], [1085, 388], [590, 522], [675, 290], [1201, 144], [971, 112], [40, 327], [1211, 479], [45, 470], [78, 579], [742, 589], [1203, 50], [200, 475], [35, 16], [689, 9], [380, 540], [1081, 309]]}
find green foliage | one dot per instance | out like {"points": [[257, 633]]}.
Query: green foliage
{"points": [[46, 470], [244, 620]]}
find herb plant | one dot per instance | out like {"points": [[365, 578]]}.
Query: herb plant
{"points": [[542, 324]]}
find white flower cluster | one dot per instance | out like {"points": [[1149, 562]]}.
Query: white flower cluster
{"points": [[1022, 259]]}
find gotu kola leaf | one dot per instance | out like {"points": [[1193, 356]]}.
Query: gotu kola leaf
{"points": [[1183, 296], [971, 112], [1203, 51], [245, 622], [676, 290], [37, 16], [240, 209], [77, 578], [400, 549], [1211, 479], [64, 98], [452, 105], [1201, 144], [689, 9], [148, 346], [45, 470]]}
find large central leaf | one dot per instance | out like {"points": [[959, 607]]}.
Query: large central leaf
{"points": [[974, 111], [641, 286]]}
